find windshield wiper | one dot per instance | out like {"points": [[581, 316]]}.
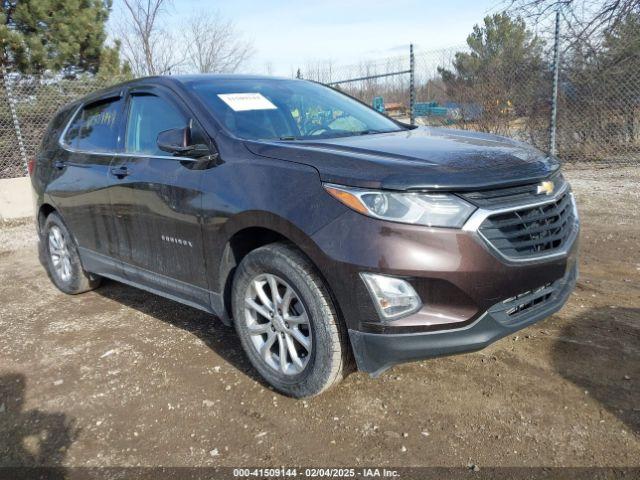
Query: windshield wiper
{"points": [[369, 132], [332, 134]]}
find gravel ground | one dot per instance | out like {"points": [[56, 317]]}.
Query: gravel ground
{"points": [[17, 235], [119, 377]]}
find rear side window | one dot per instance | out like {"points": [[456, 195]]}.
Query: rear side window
{"points": [[148, 116], [55, 127], [96, 127]]}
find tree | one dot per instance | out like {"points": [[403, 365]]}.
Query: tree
{"points": [[501, 75], [54, 35], [621, 60], [588, 17], [598, 102], [621, 47], [319, 71], [111, 66], [147, 47], [600, 98], [213, 45]]}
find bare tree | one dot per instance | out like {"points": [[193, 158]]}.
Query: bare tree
{"points": [[149, 49], [319, 71], [213, 44], [587, 16]]}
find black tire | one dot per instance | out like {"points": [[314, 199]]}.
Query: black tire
{"points": [[328, 360], [77, 280]]}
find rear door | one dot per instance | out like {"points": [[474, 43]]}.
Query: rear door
{"points": [[157, 202], [80, 189]]}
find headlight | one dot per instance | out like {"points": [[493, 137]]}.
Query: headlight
{"points": [[430, 209]]}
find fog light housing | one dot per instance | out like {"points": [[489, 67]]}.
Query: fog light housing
{"points": [[393, 297]]}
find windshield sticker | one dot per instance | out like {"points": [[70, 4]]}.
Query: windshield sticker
{"points": [[241, 102]]}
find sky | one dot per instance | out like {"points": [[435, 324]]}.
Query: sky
{"points": [[288, 33]]}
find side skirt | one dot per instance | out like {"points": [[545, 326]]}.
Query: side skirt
{"points": [[155, 283]]}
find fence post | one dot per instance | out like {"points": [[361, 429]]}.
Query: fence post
{"points": [[14, 116], [554, 95], [412, 85]]}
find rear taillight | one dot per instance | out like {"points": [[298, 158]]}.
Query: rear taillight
{"points": [[31, 166]]}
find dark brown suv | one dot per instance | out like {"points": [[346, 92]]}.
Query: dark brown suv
{"points": [[321, 229]]}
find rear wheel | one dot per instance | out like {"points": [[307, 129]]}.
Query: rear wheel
{"points": [[62, 259], [287, 322]]}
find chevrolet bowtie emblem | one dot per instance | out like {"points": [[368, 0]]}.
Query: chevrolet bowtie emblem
{"points": [[545, 188]]}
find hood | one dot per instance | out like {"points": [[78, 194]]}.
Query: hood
{"points": [[422, 158]]}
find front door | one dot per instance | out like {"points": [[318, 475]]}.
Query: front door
{"points": [[157, 203]]}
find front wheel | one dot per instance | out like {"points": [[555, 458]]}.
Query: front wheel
{"points": [[287, 322]]}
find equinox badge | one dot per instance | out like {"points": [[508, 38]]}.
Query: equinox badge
{"points": [[545, 188], [177, 241]]}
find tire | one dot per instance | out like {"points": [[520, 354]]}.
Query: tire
{"points": [[302, 295], [61, 258]]}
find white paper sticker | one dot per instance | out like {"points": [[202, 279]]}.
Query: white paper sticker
{"points": [[241, 102]]}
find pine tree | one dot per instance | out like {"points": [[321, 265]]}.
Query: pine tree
{"points": [[55, 35], [618, 73], [500, 76], [111, 66]]}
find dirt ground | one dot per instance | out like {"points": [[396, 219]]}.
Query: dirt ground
{"points": [[119, 377]]}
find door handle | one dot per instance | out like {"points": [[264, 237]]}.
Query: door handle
{"points": [[120, 172], [59, 164]]}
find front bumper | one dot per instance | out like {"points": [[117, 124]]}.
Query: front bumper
{"points": [[472, 294], [375, 353], [456, 275]]}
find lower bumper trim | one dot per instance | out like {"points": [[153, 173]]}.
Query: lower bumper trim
{"points": [[375, 353]]}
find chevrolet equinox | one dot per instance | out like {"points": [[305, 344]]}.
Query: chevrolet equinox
{"points": [[324, 231]]}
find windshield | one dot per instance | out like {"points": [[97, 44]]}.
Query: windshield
{"points": [[275, 109]]}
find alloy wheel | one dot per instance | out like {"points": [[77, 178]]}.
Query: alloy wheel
{"points": [[59, 252], [278, 324]]}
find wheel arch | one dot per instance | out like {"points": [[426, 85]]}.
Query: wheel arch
{"points": [[44, 211], [254, 230]]}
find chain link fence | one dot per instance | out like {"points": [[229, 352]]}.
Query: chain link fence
{"points": [[597, 101], [503, 100], [512, 94], [27, 104]]}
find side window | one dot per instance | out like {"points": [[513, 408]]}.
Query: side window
{"points": [[95, 128], [148, 116], [71, 137]]}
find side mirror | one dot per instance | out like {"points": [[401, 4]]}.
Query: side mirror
{"points": [[177, 142]]}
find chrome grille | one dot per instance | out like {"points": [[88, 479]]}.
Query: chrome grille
{"points": [[531, 231]]}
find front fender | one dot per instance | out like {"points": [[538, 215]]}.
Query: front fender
{"points": [[266, 195]]}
